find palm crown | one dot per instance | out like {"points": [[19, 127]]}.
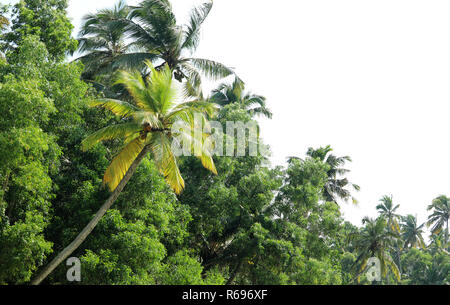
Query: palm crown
{"points": [[335, 187], [412, 232], [440, 216], [148, 122], [387, 209], [227, 94], [103, 40], [376, 241], [150, 32]]}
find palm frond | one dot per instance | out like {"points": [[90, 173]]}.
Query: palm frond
{"points": [[136, 86], [192, 86], [133, 60], [211, 69], [122, 162], [166, 162], [110, 132], [119, 108], [161, 88], [192, 33]]}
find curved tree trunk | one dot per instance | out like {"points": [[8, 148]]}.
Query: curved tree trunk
{"points": [[91, 225]]}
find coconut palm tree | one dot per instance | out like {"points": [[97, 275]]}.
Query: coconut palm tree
{"points": [[439, 218], [336, 186], [375, 240], [102, 41], [146, 128], [387, 209], [153, 33], [227, 94], [412, 233]]}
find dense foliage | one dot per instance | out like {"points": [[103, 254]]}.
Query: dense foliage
{"points": [[228, 220]]}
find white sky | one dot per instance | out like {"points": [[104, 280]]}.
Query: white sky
{"points": [[370, 78]]}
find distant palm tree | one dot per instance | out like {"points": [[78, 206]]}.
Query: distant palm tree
{"points": [[336, 186], [412, 233], [235, 93], [375, 240], [439, 218], [387, 209], [146, 128]]}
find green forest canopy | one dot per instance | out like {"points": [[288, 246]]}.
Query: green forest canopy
{"points": [[250, 223]]}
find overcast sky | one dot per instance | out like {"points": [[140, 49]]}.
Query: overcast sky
{"points": [[370, 78]]}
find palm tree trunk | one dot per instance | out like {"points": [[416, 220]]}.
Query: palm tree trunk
{"points": [[91, 225], [446, 236]]}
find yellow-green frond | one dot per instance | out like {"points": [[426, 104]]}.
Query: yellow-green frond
{"points": [[119, 108], [200, 144], [203, 150], [110, 132], [437, 231], [135, 85], [394, 226], [208, 163], [122, 162], [393, 268], [166, 162], [192, 107], [143, 117], [161, 88]]}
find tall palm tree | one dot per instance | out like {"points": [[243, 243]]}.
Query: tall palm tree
{"points": [[439, 218], [412, 233], [387, 209], [336, 186], [227, 94], [146, 128], [375, 240], [152, 31]]}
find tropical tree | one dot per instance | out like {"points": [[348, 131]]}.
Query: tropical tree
{"points": [[437, 244], [46, 19], [336, 186], [425, 268], [154, 34], [227, 94], [146, 128], [375, 240], [439, 218], [412, 233], [387, 210], [103, 40]]}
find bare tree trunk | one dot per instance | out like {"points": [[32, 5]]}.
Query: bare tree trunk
{"points": [[91, 225]]}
